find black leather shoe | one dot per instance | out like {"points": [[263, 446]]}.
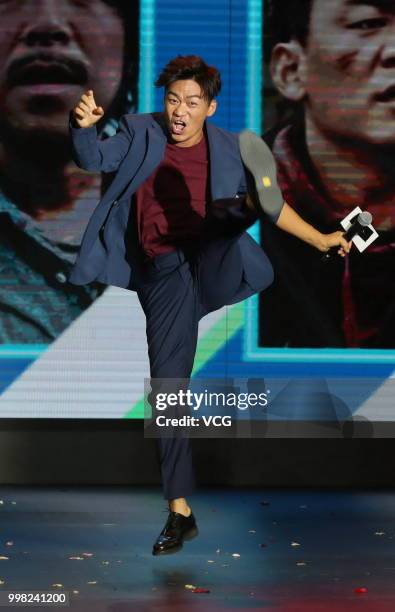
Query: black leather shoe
{"points": [[262, 183], [177, 529]]}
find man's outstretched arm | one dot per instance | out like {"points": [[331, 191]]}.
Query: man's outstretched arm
{"points": [[264, 195], [90, 153], [291, 222]]}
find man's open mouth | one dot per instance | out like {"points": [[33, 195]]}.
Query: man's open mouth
{"points": [[178, 126], [40, 72]]}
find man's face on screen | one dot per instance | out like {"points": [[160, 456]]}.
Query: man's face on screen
{"points": [[350, 68], [51, 51]]}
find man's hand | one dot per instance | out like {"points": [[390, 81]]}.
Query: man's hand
{"points": [[86, 113], [327, 241]]}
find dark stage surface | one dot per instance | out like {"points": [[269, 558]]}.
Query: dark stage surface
{"points": [[298, 550]]}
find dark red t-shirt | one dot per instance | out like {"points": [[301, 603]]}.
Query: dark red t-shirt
{"points": [[171, 203]]}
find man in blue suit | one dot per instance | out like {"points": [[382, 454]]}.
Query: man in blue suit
{"points": [[171, 226]]}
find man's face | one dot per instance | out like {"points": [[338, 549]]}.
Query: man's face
{"points": [[350, 68], [51, 51], [185, 112]]}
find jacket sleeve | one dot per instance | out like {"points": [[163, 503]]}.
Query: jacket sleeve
{"points": [[95, 155], [242, 189]]}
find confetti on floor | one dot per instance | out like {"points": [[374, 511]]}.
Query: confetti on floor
{"points": [[328, 580]]}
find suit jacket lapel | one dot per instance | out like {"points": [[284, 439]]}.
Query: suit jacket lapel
{"points": [[155, 144], [225, 165]]}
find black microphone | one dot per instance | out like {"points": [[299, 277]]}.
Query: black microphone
{"points": [[359, 227]]}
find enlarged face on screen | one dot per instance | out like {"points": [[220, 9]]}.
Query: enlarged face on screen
{"points": [[51, 51], [345, 72]]}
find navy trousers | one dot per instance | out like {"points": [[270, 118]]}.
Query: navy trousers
{"points": [[176, 290]]}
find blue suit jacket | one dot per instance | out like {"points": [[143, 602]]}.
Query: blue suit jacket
{"points": [[108, 247]]}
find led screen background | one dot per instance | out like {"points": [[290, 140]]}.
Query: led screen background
{"points": [[328, 116], [95, 367]]}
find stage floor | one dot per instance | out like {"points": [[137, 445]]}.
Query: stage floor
{"points": [[283, 550]]}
